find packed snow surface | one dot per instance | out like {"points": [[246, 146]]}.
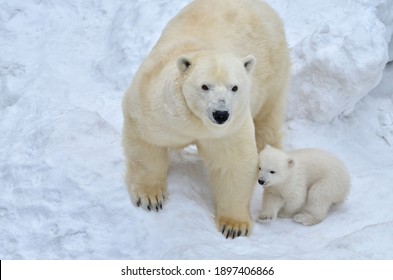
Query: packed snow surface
{"points": [[64, 66]]}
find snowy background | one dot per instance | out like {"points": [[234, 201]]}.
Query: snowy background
{"points": [[64, 66]]}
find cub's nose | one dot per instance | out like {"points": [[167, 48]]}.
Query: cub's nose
{"points": [[261, 182], [220, 116]]}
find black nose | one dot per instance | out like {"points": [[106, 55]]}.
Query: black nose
{"points": [[220, 116], [261, 182]]}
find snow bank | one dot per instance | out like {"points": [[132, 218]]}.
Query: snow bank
{"points": [[384, 10], [339, 57]]}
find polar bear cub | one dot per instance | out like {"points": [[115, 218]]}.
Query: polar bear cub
{"points": [[301, 184]]}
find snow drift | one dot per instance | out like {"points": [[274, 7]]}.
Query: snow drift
{"points": [[341, 59]]}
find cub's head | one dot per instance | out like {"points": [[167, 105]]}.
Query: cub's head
{"points": [[217, 86], [274, 166]]}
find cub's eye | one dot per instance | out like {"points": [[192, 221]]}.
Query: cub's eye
{"points": [[235, 88], [272, 171], [205, 87], [259, 168]]}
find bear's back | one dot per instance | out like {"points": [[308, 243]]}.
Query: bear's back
{"points": [[318, 164], [227, 25]]}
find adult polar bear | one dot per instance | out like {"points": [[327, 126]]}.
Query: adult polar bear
{"points": [[217, 78]]}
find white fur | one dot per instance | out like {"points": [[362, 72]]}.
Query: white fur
{"points": [[301, 184], [204, 52]]}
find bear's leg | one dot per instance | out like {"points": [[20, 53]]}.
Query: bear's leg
{"points": [[268, 126], [146, 171], [271, 204], [317, 206], [232, 165]]}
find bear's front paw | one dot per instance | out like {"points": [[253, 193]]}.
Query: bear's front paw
{"points": [[232, 228], [148, 198], [266, 218]]}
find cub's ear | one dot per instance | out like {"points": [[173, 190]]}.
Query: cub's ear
{"points": [[249, 63], [291, 162], [183, 64]]}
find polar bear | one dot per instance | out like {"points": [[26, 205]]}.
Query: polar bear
{"points": [[216, 78], [301, 184]]}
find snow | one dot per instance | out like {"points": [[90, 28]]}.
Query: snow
{"points": [[64, 66]]}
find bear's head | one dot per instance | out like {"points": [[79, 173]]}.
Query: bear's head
{"points": [[274, 167], [216, 86]]}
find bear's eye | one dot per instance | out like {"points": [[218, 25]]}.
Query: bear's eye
{"points": [[205, 87], [259, 168], [235, 88], [272, 172]]}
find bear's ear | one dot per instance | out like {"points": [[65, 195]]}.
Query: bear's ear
{"points": [[249, 63], [291, 162], [183, 64]]}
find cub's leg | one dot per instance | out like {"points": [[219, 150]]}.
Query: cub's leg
{"points": [[317, 205], [232, 166], [146, 170], [293, 205], [271, 204]]}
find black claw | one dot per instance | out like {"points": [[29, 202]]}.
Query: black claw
{"points": [[223, 229], [228, 233], [246, 232], [157, 204], [239, 233], [138, 203], [148, 207], [160, 205], [233, 234]]}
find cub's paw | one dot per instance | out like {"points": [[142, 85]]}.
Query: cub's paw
{"points": [[232, 228], [266, 218], [306, 219], [150, 199]]}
